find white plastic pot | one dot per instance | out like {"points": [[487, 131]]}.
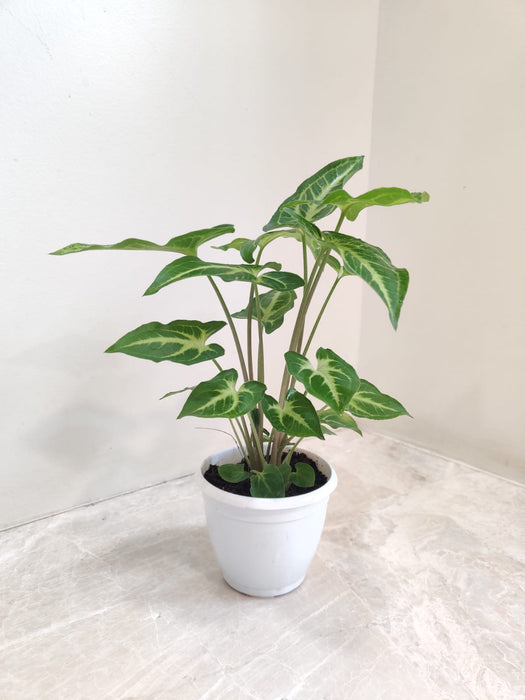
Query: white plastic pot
{"points": [[264, 545]]}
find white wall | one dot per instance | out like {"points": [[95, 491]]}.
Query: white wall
{"points": [[449, 111], [145, 119]]}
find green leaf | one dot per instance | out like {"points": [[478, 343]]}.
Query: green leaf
{"points": [[233, 473], [218, 397], [178, 341], [191, 266], [375, 268], [369, 402], [303, 476], [330, 418], [383, 197], [268, 483], [298, 416], [178, 391], [334, 381], [274, 305], [313, 190], [187, 244]]}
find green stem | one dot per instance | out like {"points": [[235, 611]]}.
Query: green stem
{"points": [[319, 316], [232, 328]]}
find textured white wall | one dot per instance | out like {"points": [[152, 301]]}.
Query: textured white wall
{"points": [[449, 110], [145, 119]]}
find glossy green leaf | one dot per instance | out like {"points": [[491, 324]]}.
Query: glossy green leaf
{"points": [[334, 381], [187, 244], [383, 197], [313, 191], [233, 473], [297, 417], [330, 418], [274, 305], [303, 476], [375, 267], [268, 483], [369, 402], [191, 266], [178, 341], [219, 398]]}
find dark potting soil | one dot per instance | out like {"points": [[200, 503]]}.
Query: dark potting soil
{"points": [[243, 487]]}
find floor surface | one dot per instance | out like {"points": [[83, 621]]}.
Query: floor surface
{"points": [[416, 592]]}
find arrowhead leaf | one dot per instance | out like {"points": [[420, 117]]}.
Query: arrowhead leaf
{"points": [[191, 266], [375, 268], [274, 305], [334, 381], [313, 191], [187, 244], [218, 397], [303, 476], [298, 417], [178, 341], [383, 197], [328, 417], [267, 484], [233, 473], [369, 402]]}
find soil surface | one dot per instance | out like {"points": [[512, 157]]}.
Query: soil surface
{"points": [[243, 487]]}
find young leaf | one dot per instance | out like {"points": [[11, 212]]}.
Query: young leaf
{"points": [[328, 417], [268, 483], [233, 473], [274, 305], [375, 268], [218, 397], [303, 476], [313, 191], [178, 341], [191, 266], [369, 402], [334, 381], [187, 244], [383, 197], [298, 416]]}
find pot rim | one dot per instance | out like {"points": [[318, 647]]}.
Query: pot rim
{"points": [[253, 503]]}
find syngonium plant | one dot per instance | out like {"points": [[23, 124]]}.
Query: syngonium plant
{"points": [[266, 429]]}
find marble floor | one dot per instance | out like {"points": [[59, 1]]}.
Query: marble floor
{"points": [[417, 591]]}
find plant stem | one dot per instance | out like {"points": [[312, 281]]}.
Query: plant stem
{"points": [[319, 316], [232, 328]]}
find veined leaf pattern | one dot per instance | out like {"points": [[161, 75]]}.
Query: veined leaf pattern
{"points": [[334, 381], [369, 402], [313, 191], [186, 244], [382, 196], [297, 417], [274, 305], [219, 398], [375, 268], [178, 341]]}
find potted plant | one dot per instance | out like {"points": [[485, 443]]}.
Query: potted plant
{"points": [[265, 499]]}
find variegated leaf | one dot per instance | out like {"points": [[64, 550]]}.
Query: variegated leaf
{"points": [[219, 397], [369, 402], [334, 420], [187, 244], [313, 191], [268, 483], [334, 381], [274, 305], [178, 341], [375, 268], [382, 196], [298, 416], [191, 266]]}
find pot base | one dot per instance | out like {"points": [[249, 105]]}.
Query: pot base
{"points": [[263, 592]]}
